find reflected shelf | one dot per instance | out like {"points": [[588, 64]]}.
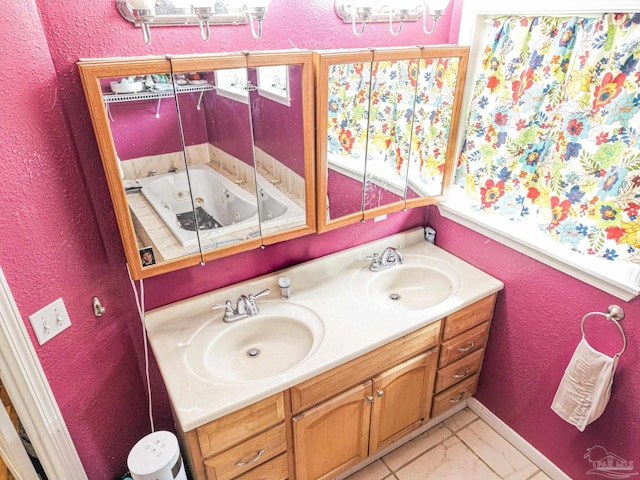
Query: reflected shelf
{"points": [[149, 95]]}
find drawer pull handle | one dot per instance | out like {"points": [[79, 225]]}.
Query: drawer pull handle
{"points": [[379, 393], [467, 348], [459, 398], [253, 460], [463, 374]]}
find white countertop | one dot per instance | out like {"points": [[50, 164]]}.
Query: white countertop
{"points": [[353, 325]]}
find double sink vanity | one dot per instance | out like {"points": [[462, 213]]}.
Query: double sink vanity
{"points": [[207, 156], [372, 343]]}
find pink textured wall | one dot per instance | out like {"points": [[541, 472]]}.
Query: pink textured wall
{"points": [[274, 123], [228, 126], [134, 139], [535, 330], [59, 235]]}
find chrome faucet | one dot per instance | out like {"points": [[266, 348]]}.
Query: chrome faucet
{"points": [[245, 307], [388, 258], [173, 169]]}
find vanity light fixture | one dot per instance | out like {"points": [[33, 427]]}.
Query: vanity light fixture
{"points": [[143, 11], [204, 13], [436, 10], [369, 11]]}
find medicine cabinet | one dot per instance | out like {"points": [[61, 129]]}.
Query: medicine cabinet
{"points": [[202, 161], [386, 121]]}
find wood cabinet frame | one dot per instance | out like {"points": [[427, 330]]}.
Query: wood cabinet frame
{"points": [[91, 71]]}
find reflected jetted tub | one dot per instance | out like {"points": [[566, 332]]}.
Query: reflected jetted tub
{"points": [[220, 206]]}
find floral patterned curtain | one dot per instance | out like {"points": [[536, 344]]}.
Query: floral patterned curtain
{"points": [[391, 116], [553, 136], [408, 94], [348, 109], [433, 110]]}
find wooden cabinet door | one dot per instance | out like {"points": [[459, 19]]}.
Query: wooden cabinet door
{"points": [[401, 400], [333, 437]]}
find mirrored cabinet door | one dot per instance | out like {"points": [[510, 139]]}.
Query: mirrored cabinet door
{"points": [[401, 121], [138, 131], [148, 144], [441, 76], [343, 86], [281, 110], [213, 103], [205, 155], [391, 119]]}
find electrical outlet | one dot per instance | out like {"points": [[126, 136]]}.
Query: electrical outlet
{"points": [[430, 235], [50, 321]]}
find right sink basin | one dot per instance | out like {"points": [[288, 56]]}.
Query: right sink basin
{"points": [[417, 284]]}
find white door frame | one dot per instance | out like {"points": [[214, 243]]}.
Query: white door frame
{"points": [[31, 395], [13, 452]]}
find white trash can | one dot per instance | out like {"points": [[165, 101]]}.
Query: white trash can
{"points": [[156, 457]]}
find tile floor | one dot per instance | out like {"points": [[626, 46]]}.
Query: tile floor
{"points": [[462, 447]]}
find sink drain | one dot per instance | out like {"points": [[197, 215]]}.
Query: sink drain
{"points": [[253, 352], [394, 296]]}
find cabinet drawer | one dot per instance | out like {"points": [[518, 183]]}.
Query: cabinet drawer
{"points": [[464, 344], [249, 454], [232, 429], [458, 371], [454, 395], [468, 317], [275, 469], [339, 379]]}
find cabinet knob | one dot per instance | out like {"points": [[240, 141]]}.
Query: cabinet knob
{"points": [[467, 348], [254, 459], [369, 398], [463, 374], [379, 393], [458, 398]]}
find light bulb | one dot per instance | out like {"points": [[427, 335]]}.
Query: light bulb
{"points": [[406, 4], [203, 3], [256, 3], [437, 4], [142, 4]]}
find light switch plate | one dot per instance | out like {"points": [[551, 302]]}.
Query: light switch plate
{"points": [[50, 321]]}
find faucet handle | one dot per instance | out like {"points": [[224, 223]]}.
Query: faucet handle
{"points": [[228, 307], [264, 292], [376, 261]]}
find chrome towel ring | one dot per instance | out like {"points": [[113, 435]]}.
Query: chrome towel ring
{"points": [[615, 314]]}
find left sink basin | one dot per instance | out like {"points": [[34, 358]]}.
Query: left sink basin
{"points": [[277, 339]]}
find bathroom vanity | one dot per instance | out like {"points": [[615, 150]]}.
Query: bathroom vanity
{"points": [[314, 385]]}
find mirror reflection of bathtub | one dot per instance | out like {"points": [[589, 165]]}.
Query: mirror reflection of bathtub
{"points": [[278, 211], [221, 206], [226, 213]]}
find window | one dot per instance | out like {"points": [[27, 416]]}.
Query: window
{"points": [[232, 83], [273, 83], [551, 159]]}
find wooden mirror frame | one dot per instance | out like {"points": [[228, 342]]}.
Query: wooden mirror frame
{"points": [[92, 70], [323, 60], [461, 53]]}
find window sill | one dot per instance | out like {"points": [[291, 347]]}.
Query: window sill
{"points": [[620, 280]]}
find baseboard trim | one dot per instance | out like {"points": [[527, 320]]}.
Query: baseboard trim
{"points": [[516, 440]]}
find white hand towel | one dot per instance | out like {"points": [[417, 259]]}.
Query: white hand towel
{"points": [[585, 388]]}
